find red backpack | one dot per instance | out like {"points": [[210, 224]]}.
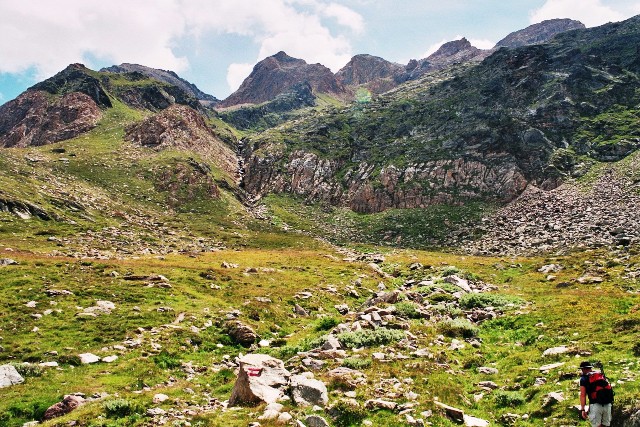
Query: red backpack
{"points": [[599, 389]]}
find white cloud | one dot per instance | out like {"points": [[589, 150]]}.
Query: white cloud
{"points": [[589, 12], [344, 16], [50, 35], [236, 73], [482, 43]]}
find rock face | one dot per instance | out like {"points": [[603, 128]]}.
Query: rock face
{"points": [[68, 404], [539, 33], [377, 74], [166, 76], [277, 74], [410, 187], [35, 118], [9, 376], [261, 378], [181, 127]]}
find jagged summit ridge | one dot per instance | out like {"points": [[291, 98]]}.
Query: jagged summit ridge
{"points": [[166, 76], [278, 74], [539, 33]]}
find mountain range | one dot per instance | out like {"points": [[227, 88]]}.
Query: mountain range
{"points": [[462, 126], [437, 243]]}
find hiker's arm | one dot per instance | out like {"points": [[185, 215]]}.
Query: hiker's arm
{"points": [[583, 401]]}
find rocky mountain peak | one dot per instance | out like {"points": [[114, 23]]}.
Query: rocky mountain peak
{"points": [[75, 78], [452, 48], [283, 57], [165, 76], [450, 53], [363, 69], [539, 33], [279, 73]]}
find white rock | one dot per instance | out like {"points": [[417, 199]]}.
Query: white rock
{"points": [[285, 417], [553, 351], [9, 376], [159, 398], [470, 421], [31, 304], [110, 359], [48, 364], [88, 358]]}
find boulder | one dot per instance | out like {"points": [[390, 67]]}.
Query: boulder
{"points": [[380, 404], [315, 421], [470, 421], [554, 351], [9, 376], [241, 333], [307, 391], [7, 261], [261, 378], [459, 282], [88, 358], [68, 404]]}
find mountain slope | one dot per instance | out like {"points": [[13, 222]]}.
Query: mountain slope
{"points": [[524, 115]]}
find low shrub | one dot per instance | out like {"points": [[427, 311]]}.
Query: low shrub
{"points": [[356, 363], [28, 369], [165, 360], [118, 408], [458, 327], [509, 399], [450, 270], [407, 310], [370, 337], [488, 300], [326, 323], [440, 297], [346, 414]]}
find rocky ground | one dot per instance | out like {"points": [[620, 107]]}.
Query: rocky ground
{"points": [[571, 216]]}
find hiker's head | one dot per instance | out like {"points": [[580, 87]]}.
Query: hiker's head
{"points": [[586, 366]]}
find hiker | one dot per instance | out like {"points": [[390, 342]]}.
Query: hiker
{"points": [[591, 384]]}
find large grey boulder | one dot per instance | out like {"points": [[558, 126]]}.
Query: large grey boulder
{"points": [[316, 421], [261, 378], [308, 391], [9, 376]]}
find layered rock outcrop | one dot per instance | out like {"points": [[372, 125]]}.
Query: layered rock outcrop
{"points": [[181, 127], [366, 188]]}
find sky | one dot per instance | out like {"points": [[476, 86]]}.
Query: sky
{"points": [[215, 43]]}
